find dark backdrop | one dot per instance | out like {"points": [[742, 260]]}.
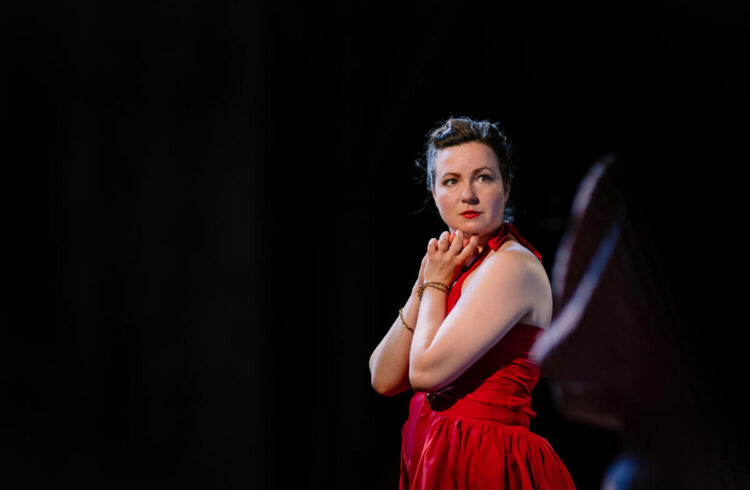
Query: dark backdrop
{"points": [[213, 211]]}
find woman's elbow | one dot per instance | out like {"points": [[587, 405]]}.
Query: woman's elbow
{"points": [[421, 381], [381, 384], [386, 389]]}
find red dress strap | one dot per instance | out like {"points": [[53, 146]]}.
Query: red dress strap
{"points": [[504, 233]]}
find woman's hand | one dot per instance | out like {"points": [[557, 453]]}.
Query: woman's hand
{"points": [[420, 279], [446, 255]]}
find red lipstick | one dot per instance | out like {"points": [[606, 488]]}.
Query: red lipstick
{"points": [[470, 214]]}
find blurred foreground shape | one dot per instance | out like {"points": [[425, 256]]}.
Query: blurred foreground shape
{"points": [[645, 338]]}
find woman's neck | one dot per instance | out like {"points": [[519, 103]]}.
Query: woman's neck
{"points": [[481, 247], [485, 239]]}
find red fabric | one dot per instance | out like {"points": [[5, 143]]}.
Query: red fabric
{"points": [[473, 434]]}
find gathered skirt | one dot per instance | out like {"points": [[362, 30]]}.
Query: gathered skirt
{"points": [[475, 449]]}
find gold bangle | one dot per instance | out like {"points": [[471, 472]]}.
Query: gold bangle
{"points": [[432, 284], [400, 314]]}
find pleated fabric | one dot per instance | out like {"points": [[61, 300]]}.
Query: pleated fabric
{"points": [[473, 434]]}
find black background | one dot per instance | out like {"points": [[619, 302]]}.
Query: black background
{"points": [[213, 211]]}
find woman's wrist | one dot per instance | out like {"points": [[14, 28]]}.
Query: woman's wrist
{"points": [[436, 285], [412, 301], [414, 291]]}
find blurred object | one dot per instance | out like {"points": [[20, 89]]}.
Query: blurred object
{"points": [[613, 344], [627, 346]]}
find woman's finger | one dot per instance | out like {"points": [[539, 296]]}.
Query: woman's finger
{"points": [[443, 241], [468, 249], [420, 276], [432, 245], [456, 246], [421, 266]]}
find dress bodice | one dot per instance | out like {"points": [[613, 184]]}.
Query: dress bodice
{"points": [[498, 385], [474, 433]]}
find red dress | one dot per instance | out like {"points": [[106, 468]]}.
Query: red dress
{"points": [[474, 433]]}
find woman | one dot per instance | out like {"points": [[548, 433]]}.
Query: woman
{"points": [[461, 342]]}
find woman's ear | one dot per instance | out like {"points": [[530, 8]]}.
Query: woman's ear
{"points": [[507, 193]]}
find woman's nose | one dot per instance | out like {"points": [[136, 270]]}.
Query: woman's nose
{"points": [[468, 195]]}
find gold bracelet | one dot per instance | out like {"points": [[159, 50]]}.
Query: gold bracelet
{"points": [[432, 284], [401, 314]]}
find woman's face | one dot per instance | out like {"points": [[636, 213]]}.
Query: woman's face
{"points": [[469, 190]]}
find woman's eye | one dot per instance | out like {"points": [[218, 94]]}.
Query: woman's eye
{"points": [[485, 178], [449, 182]]}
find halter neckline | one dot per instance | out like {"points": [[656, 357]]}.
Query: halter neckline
{"points": [[503, 233]]}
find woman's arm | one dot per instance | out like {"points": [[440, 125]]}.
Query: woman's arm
{"points": [[389, 362], [504, 289]]}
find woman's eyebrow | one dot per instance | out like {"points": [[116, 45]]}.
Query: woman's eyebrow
{"points": [[459, 175]]}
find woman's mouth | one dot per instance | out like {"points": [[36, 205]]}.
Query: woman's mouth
{"points": [[470, 214]]}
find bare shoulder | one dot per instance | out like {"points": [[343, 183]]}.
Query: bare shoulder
{"points": [[516, 268], [512, 257]]}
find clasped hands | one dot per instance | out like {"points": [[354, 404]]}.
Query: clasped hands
{"points": [[446, 255]]}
